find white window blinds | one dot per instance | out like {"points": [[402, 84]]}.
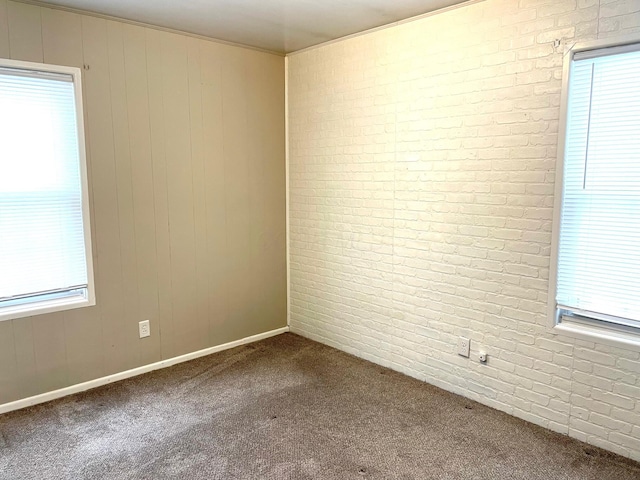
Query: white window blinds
{"points": [[599, 246], [42, 242]]}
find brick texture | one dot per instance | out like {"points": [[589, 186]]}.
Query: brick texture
{"points": [[422, 162]]}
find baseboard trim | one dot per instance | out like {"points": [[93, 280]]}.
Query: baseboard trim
{"points": [[81, 387]]}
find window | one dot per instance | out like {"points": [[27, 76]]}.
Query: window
{"points": [[596, 281], [45, 249]]}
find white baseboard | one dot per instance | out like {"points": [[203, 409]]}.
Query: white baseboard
{"points": [[81, 387]]}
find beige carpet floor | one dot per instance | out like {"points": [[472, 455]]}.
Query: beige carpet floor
{"points": [[286, 408]]}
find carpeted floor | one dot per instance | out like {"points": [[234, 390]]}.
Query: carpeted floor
{"points": [[286, 408]]}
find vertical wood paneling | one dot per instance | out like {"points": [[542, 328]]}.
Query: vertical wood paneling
{"points": [[25, 32], [4, 30], [236, 167], [129, 320], [180, 187], [109, 291], [25, 372], [267, 187], [184, 149], [257, 186], [201, 325], [135, 60], [50, 348], [215, 201], [61, 37], [154, 40]]}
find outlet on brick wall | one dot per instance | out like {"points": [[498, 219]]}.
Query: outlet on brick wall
{"points": [[463, 347]]}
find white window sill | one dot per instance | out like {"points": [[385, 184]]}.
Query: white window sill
{"points": [[48, 306], [607, 336]]}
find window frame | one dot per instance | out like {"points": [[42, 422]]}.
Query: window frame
{"points": [[589, 329], [71, 301]]}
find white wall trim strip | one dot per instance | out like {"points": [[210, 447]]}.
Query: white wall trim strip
{"points": [[81, 387], [103, 16], [286, 186], [383, 27]]}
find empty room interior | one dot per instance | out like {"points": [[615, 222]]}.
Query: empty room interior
{"points": [[290, 239]]}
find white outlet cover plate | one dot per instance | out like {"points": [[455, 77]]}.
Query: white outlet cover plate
{"points": [[464, 345], [144, 329]]}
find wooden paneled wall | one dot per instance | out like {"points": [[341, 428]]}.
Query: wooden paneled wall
{"points": [[185, 150]]}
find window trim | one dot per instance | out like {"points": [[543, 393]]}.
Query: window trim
{"points": [[78, 300], [583, 329]]}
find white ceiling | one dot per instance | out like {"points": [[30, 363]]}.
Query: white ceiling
{"points": [[277, 25]]}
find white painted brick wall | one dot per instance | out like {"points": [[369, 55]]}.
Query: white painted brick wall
{"points": [[422, 162]]}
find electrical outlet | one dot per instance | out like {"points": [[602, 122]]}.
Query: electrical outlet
{"points": [[464, 345], [144, 328]]}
